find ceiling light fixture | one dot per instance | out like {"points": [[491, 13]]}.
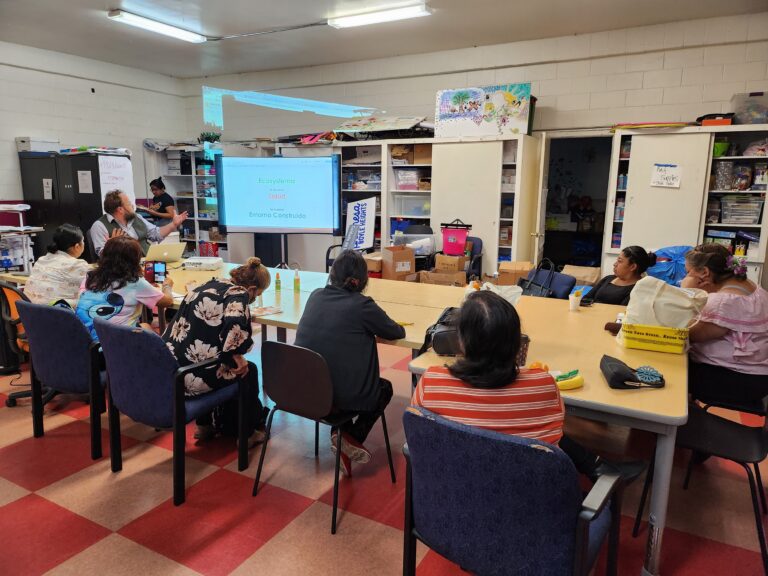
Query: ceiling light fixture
{"points": [[155, 26], [380, 16]]}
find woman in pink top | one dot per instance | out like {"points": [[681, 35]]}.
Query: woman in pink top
{"points": [[729, 344]]}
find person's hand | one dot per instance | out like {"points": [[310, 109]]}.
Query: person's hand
{"points": [[155, 206], [689, 282], [189, 286], [241, 365], [117, 232], [168, 282], [179, 219]]}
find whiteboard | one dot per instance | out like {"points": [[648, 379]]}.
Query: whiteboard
{"points": [[115, 173]]}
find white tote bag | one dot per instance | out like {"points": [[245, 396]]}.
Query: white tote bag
{"points": [[510, 293], [653, 302]]}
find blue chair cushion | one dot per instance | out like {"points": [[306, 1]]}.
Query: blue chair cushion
{"points": [[205, 403]]}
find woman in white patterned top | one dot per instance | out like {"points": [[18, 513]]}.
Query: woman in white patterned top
{"points": [[58, 274]]}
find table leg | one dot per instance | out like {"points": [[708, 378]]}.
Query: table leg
{"points": [[281, 334], [665, 452], [414, 377], [263, 333]]}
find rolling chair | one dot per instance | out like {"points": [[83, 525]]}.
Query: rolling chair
{"points": [[16, 338]]}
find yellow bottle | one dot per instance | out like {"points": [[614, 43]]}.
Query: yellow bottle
{"points": [[296, 282], [277, 282]]}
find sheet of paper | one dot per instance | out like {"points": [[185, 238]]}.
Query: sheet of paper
{"points": [[84, 182], [265, 311], [47, 189], [666, 176]]}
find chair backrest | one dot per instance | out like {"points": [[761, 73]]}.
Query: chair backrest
{"points": [[14, 330], [59, 345], [90, 251], [141, 372], [418, 229], [297, 379], [491, 502], [477, 245]]}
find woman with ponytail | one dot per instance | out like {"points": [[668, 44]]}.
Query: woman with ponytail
{"points": [[341, 324], [629, 267], [214, 321], [729, 344], [58, 274]]}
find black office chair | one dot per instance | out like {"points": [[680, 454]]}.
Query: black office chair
{"points": [[418, 229], [298, 382], [330, 255], [711, 435]]}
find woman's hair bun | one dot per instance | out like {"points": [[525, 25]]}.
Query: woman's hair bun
{"points": [[253, 261], [651, 259], [52, 248]]}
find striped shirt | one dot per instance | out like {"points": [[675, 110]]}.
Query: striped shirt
{"points": [[530, 406]]}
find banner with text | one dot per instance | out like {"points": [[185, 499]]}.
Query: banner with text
{"points": [[362, 212]]}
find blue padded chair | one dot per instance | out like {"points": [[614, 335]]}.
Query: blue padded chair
{"points": [[65, 359], [497, 504], [146, 384], [298, 381]]}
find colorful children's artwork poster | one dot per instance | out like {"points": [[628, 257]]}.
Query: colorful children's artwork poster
{"points": [[499, 110]]}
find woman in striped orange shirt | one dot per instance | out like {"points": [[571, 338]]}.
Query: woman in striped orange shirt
{"points": [[486, 388]]}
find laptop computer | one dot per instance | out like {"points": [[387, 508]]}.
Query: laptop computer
{"points": [[171, 252]]}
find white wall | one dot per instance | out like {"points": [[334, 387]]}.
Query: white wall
{"points": [[668, 72], [47, 96]]}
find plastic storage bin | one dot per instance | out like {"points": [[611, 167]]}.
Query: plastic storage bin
{"points": [[741, 210], [751, 108]]}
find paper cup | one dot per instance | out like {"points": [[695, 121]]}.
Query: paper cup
{"points": [[574, 302]]}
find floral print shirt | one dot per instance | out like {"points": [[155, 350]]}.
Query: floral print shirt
{"points": [[214, 321]]}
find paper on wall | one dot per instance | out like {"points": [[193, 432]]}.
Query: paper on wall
{"points": [[115, 173], [84, 184], [47, 188], [666, 176]]}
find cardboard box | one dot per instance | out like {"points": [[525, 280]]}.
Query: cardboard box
{"points": [[373, 260], [585, 275], [403, 153], [501, 279], [440, 278], [511, 272], [397, 262], [422, 153], [505, 236], [444, 263]]}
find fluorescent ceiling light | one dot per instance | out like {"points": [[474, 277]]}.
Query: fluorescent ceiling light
{"points": [[154, 26], [380, 16]]}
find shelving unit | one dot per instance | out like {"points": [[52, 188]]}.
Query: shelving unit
{"points": [[692, 213], [409, 185]]}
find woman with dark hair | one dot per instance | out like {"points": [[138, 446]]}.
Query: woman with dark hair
{"points": [[116, 290], [162, 209], [629, 267], [214, 321], [341, 324], [486, 388], [729, 343], [58, 274]]}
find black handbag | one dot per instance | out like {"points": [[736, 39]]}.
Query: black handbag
{"points": [[540, 282], [621, 377], [443, 335]]}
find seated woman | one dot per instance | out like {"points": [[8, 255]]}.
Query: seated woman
{"points": [[214, 321], [116, 290], [342, 325], [59, 274], [729, 344], [162, 208], [486, 388], [629, 267]]}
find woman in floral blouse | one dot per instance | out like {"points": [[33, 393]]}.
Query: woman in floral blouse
{"points": [[214, 321]]}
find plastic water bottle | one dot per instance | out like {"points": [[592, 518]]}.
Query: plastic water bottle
{"points": [[277, 282], [296, 282]]}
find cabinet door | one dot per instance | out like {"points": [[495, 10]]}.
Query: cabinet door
{"points": [[657, 216], [466, 184], [42, 198]]}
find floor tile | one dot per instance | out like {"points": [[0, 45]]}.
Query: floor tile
{"points": [[360, 547], [370, 492], [38, 535], [123, 557], [435, 565], [115, 499], [37, 462], [219, 451], [390, 355], [220, 525], [10, 492], [17, 423]]}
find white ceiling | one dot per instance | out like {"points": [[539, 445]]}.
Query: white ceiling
{"points": [[80, 27]]}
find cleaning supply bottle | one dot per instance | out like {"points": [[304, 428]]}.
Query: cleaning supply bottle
{"points": [[277, 282], [296, 282]]}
